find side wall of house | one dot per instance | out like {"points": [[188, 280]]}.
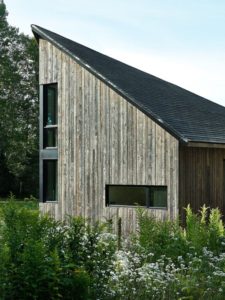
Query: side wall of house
{"points": [[201, 178], [102, 139]]}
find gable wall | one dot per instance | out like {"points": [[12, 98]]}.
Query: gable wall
{"points": [[102, 139]]}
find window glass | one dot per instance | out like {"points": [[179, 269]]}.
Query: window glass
{"points": [[50, 137], [50, 180], [50, 115], [50, 105], [149, 196], [127, 195], [158, 196]]}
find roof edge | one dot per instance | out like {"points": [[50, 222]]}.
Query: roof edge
{"points": [[39, 33], [214, 145]]}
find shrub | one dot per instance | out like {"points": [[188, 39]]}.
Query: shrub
{"points": [[216, 231], [93, 248], [45, 259], [161, 237], [196, 231], [201, 232], [33, 262]]}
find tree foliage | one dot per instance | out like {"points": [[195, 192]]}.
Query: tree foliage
{"points": [[19, 110]]}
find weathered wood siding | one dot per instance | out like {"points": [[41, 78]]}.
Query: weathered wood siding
{"points": [[102, 139], [201, 178]]}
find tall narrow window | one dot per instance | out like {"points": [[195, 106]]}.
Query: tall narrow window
{"points": [[48, 142], [50, 180], [50, 115]]}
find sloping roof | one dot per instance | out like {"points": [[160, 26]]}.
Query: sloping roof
{"points": [[189, 117]]}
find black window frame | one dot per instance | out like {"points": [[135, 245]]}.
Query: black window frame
{"points": [[150, 188], [50, 127], [47, 153], [46, 131], [45, 180]]}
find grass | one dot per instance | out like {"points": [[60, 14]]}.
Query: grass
{"points": [[30, 203]]}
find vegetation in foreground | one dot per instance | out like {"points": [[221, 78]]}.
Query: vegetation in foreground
{"points": [[45, 259], [31, 202]]}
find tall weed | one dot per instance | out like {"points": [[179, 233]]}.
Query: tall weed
{"points": [[160, 237]]}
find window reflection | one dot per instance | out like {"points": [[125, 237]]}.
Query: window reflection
{"points": [[128, 195], [50, 180], [50, 115]]}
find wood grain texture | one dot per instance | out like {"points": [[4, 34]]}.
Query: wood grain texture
{"points": [[201, 178], [103, 139]]}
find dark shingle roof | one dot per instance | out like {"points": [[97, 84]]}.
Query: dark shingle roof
{"points": [[187, 116]]}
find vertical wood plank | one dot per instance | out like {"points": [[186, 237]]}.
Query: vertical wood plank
{"points": [[103, 139]]}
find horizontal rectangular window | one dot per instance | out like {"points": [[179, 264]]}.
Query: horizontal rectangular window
{"points": [[133, 195], [50, 180]]}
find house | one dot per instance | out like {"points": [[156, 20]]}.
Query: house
{"points": [[112, 136]]}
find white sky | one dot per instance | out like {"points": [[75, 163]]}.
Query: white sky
{"points": [[177, 40]]}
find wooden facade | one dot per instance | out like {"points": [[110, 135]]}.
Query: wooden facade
{"points": [[103, 139], [201, 178]]}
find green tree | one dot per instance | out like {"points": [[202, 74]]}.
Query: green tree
{"points": [[18, 108]]}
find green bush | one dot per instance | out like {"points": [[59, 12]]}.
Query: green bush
{"points": [[168, 238], [42, 258], [161, 237], [205, 231], [31, 202], [92, 248], [33, 262]]}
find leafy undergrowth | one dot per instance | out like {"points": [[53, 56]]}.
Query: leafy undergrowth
{"points": [[45, 259], [31, 202]]}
